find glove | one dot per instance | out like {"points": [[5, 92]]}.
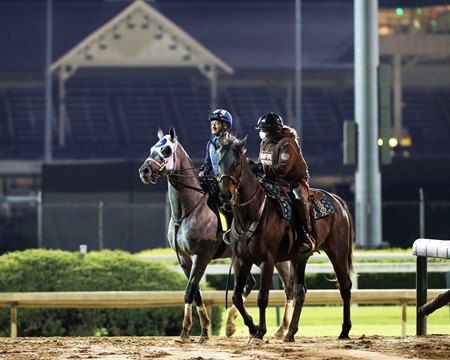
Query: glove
{"points": [[202, 172], [257, 168]]}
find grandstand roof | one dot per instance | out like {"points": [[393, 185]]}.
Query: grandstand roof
{"points": [[139, 36]]}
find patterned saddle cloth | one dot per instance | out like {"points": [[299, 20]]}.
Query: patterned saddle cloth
{"points": [[321, 203], [278, 193]]}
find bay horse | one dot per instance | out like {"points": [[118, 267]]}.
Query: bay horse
{"points": [[260, 236], [193, 231]]}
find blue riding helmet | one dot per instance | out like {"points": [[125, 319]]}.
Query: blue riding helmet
{"points": [[221, 115]]}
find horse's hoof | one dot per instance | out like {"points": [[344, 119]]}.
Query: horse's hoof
{"points": [[184, 339], [256, 341], [203, 339], [279, 334], [230, 330], [288, 339], [343, 337]]}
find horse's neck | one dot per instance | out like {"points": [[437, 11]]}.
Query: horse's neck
{"points": [[185, 189], [250, 192]]}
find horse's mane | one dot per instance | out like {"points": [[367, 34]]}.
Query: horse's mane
{"points": [[228, 141]]}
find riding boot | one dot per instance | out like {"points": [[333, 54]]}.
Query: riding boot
{"points": [[228, 212], [304, 227]]}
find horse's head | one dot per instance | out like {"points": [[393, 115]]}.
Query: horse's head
{"points": [[161, 159], [231, 164]]}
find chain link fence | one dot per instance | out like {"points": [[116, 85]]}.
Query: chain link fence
{"points": [[138, 226]]}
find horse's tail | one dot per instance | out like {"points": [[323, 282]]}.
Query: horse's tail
{"points": [[351, 232]]}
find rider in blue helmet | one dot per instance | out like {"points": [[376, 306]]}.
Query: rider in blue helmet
{"points": [[221, 121]]}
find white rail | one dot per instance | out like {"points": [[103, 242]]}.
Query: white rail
{"points": [[144, 299]]}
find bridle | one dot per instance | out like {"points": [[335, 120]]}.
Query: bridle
{"points": [[237, 182], [171, 174], [248, 232]]}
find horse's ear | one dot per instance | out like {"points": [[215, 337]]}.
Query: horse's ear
{"points": [[243, 142], [160, 134], [173, 134]]}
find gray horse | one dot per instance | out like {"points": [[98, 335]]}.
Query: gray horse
{"points": [[193, 231]]}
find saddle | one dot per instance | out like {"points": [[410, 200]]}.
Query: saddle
{"points": [[322, 205], [320, 201]]}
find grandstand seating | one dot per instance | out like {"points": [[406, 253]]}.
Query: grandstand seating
{"points": [[110, 120]]}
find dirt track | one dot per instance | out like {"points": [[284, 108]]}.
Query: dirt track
{"points": [[121, 348]]}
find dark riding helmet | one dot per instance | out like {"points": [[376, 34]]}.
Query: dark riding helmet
{"points": [[221, 115], [270, 122]]}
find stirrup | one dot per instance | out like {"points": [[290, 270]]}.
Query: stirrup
{"points": [[308, 246], [226, 237]]}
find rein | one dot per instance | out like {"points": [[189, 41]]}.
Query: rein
{"points": [[248, 233], [172, 177]]}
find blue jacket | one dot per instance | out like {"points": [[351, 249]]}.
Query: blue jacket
{"points": [[212, 157]]}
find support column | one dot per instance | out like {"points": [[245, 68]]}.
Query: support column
{"points": [[13, 321], [367, 177], [398, 96], [62, 110], [48, 151], [298, 71], [214, 91]]}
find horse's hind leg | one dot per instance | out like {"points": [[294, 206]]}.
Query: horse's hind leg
{"points": [[230, 327], [287, 277], [342, 272], [299, 295]]}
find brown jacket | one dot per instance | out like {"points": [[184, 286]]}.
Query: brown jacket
{"points": [[282, 158]]}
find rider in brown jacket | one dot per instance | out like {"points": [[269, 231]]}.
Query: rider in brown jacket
{"points": [[281, 160]]}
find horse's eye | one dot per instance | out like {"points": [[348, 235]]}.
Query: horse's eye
{"points": [[166, 151]]}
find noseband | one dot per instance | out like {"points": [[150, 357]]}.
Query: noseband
{"points": [[158, 171], [237, 182], [232, 178]]}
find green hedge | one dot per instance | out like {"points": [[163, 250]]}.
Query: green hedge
{"points": [[54, 270], [365, 281]]}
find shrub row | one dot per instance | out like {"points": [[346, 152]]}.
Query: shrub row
{"points": [[365, 281], [53, 270]]}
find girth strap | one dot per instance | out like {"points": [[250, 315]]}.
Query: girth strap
{"points": [[247, 234]]}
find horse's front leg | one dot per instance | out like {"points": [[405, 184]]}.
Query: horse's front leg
{"points": [[299, 294], [230, 327], [263, 298], [241, 272], [192, 293]]}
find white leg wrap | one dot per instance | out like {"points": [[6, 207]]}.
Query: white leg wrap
{"points": [[203, 315], [187, 321]]}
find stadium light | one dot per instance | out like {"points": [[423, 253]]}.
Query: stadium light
{"points": [[393, 142], [130, 23], [160, 33], [174, 44], [146, 23], [102, 43], [116, 34]]}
